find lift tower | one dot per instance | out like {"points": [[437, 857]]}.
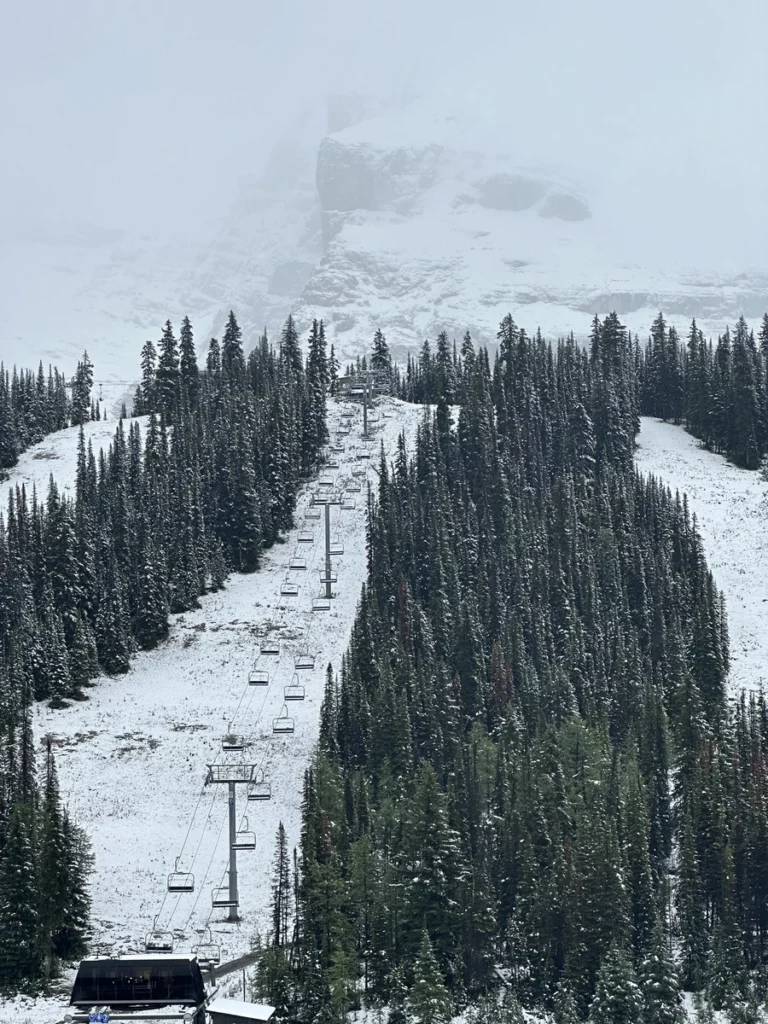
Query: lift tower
{"points": [[232, 775]]}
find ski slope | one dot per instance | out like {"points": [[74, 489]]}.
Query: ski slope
{"points": [[731, 508], [56, 456], [132, 759]]}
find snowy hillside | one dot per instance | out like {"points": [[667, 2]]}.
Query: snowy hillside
{"points": [[419, 218], [132, 759], [731, 507]]}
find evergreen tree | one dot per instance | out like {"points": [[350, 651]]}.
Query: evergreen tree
{"points": [[428, 1000]]}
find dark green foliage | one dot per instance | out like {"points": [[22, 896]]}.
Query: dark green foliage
{"points": [[720, 394], [539, 646], [31, 406], [428, 1000], [152, 524]]}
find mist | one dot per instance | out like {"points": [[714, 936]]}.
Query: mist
{"points": [[143, 117]]}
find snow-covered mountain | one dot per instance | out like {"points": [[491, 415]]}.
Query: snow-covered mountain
{"points": [[415, 216]]}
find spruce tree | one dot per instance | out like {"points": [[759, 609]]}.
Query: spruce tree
{"points": [[428, 1000]]}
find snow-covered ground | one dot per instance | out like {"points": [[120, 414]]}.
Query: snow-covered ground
{"points": [[132, 759], [56, 455], [731, 507]]}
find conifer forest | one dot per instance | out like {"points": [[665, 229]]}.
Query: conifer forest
{"points": [[533, 789]]}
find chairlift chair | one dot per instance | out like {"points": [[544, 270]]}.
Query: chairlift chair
{"points": [[283, 723], [363, 455], [325, 483], [260, 788], [220, 897], [297, 562], [334, 463], [336, 547], [358, 473], [288, 589], [158, 940], [306, 537], [180, 881], [312, 513], [233, 741], [348, 504], [304, 660], [244, 839], [321, 604], [208, 953], [270, 647], [348, 414], [328, 577], [293, 691]]}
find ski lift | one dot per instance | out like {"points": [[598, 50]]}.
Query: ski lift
{"points": [[283, 723], [326, 483], [289, 589], [368, 442], [294, 691], [336, 547], [220, 897], [208, 953], [244, 840], [321, 604], [258, 677], [347, 504], [363, 455], [180, 881], [312, 513], [304, 660], [348, 414], [328, 576], [270, 647], [306, 537], [357, 473], [297, 562], [334, 463], [353, 487], [260, 788], [232, 741], [158, 940]]}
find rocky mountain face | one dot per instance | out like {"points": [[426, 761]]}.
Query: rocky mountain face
{"points": [[397, 215]]}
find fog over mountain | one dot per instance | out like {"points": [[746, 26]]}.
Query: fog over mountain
{"points": [[551, 158]]}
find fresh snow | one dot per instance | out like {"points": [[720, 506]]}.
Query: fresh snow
{"points": [[132, 759], [731, 509], [56, 455]]}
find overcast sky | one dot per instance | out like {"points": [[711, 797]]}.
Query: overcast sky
{"points": [[144, 113]]}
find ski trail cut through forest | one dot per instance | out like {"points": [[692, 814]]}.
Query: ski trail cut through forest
{"points": [[132, 759], [731, 509]]}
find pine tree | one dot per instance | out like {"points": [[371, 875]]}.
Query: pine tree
{"points": [[281, 891], [21, 955], [428, 1000], [662, 1001], [618, 999]]}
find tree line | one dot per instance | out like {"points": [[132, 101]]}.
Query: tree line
{"points": [[154, 522], [528, 767]]}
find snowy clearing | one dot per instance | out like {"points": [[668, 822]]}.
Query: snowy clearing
{"points": [[132, 759], [56, 455], [731, 507]]}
